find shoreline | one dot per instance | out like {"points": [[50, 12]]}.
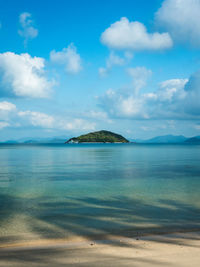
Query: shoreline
{"points": [[94, 239], [177, 249]]}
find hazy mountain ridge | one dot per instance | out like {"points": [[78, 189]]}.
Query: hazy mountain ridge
{"points": [[165, 139], [193, 140], [29, 140]]}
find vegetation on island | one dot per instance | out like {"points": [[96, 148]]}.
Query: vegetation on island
{"points": [[99, 137]]}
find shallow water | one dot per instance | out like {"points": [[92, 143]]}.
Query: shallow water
{"points": [[55, 191]]}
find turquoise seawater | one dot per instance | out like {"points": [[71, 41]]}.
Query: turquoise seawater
{"points": [[57, 191]]}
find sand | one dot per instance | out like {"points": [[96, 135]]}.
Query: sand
{"points": [[177, 249]]}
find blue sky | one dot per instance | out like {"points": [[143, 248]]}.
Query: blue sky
{"points": [[70, 67]]}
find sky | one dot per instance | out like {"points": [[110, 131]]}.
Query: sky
{"points": [[72, 67]]}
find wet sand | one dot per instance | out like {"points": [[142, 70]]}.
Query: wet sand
{"points": [[177, 249]]}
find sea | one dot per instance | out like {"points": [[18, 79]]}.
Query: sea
{"points": [[50, 191]]}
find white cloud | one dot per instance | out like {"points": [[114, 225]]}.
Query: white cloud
{"points": [[171, 88], [174, 99], [11, 116], [168, 101], [131, 106], [37, 118], [139, 76], [4, 124], [97, 115], [23, 76], [114, 60], [76, 124], [128, 35], [69, 58], [181, 18], [126, 103], [103, 71], [118, 104], [27, 30], [43, 120], [7, 106], [197, 126], [192, 98], [7, 110]]}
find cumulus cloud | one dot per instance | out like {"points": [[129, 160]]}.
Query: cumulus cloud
{"points": [[114, 60], [37, 118], [27, 31], [139, 76], [122, 105], [181, 19], [76, 124], [7, 112], [23, 76], [133, 35], [103, 71], [43, 120], [126, 103], [7, 106], [197, 126], [7, 109], [69, 58], [174, 99], [192, 91], [12, 116], [171, 88], [4, 124], [30, 118], [97, 115], [168, 101]]}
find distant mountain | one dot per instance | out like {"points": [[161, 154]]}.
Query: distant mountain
{"points": [[10, 142], [48, 140], [57, 141], [165, 139], [45, 141], [193, 140], [107, 137], [99, 137]]}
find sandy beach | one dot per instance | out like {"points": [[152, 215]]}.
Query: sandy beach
{"points": [[177, 249]]}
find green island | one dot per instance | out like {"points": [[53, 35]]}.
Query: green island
{"points": [[98, 137]]}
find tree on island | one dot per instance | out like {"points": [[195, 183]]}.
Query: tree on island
{"points": [[99, 137]]}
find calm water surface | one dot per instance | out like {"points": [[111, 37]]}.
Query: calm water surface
{"points": [[50, 191]]}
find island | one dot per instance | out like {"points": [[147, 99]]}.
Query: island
{"points": [[98, 137]]}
